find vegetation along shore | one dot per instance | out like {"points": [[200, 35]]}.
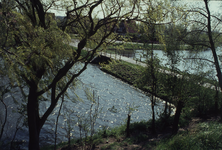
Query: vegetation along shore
{"points": [[198, 125], [46, 47]]}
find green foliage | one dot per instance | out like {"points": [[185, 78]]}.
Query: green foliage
{"points": [[35, 53], [113, 132], [112, 146], [186, 116], [131, 108], [206, 136], [150, 75], [35, 48], [199, 40], [198, 96], [172, 37], [128, 72], [141, 126]]}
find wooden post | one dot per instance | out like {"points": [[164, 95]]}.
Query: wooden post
{"points": [[127, 128]]}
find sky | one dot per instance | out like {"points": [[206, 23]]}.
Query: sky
{"points": [[215, 6]]}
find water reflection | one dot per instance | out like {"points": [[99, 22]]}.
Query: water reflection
{"points": [[112, 93], [187, 61]]}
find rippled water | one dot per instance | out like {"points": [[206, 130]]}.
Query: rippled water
{"points": [[187, 61], [112, 93]]}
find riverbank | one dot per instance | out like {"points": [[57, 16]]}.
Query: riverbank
{"points": [[141, 136], [131, 74], [121, 47], [199, 134]]}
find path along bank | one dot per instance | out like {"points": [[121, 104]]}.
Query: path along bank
{"points": [[132, 72]]}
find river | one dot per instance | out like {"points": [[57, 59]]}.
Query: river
{"points": [[188, 61], [113, 95]]}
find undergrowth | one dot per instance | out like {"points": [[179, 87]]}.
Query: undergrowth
{"points": [[205, 136]]}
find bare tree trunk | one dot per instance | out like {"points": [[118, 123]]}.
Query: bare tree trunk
{"points": [[17, 128], [212, 45], [165, 108], [57, 122], [177, 116], [6, 114], [127, 127], [216, 100], [33, 119], [153, 116], [153, 100]]}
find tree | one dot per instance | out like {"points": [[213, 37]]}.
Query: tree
{"points": [[172, 45], [7, 99], [195, 34], [36, 53], [149, 23], [212, 41], [155, 16], [4, 113], [179, 86], [160, 19], [205, 29]]}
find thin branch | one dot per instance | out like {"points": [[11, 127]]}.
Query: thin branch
{"points": [[57, 119], [202, 59]]}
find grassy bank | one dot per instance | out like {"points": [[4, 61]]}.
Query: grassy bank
{"points": [[126, 71], [197, 128], [119, 48], [139, 46], [132, 74], [200, 134], [205, 135], [194, 134], [135, 46]]}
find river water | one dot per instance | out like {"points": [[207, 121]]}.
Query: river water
{"points": [[188, 61], [115, 98]]}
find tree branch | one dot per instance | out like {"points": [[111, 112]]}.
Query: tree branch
{"points": [[202, 59]]}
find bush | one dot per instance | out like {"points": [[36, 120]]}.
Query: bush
{"points": [[206, 136]]}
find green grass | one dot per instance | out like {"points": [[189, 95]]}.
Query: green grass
{"points": [[98, 138], [60, 145], [126, 71], [206, 136], [201, 98], [127, 46], [123, 47], [120, 48], [203, 136], [83, 52]]}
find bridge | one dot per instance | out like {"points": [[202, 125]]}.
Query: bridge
{"points": [[103, 56]]}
